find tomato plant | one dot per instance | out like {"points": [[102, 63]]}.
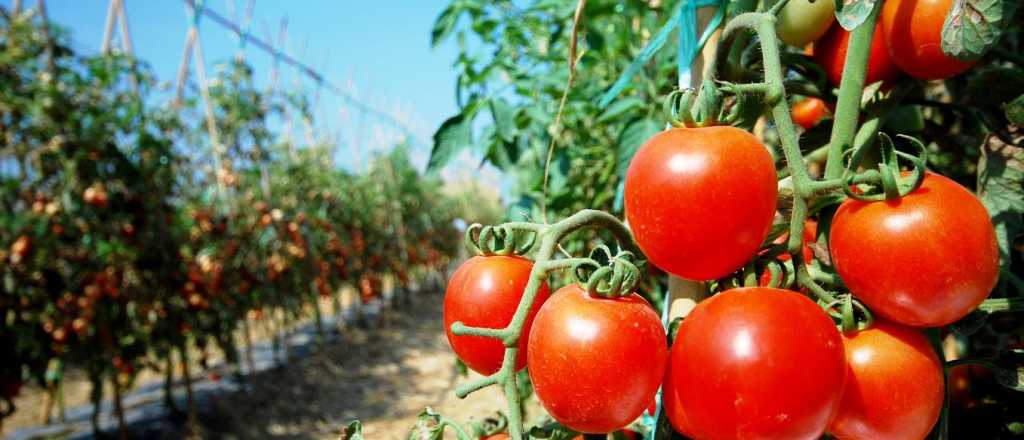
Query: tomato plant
{"points": [[940, 237], [596, 362], [700, 201], [726, 371], [485, 292], [895, 385]]}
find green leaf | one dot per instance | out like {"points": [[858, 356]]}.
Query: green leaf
{"points": [[451, 138], [1015, 111], [972, 27], [619, 108], [632, 137], [851, 13], [1001, 188], [445, 23], [504, 119]]}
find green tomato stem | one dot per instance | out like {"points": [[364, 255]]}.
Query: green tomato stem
{"points": [[850, 90]]}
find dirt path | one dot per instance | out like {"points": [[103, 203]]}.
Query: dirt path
{"points": [[384, 376]]}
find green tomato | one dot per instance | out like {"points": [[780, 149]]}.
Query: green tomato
{"points": [[803, 21]]}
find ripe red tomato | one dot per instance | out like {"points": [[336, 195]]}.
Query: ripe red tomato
{"points": [[925, 260], [700, 201], [913, 34], [596, 363], [670, 398], [894, 387], [498, 436], [809, 112], [830, 54], [485, 292], [757, 363]]}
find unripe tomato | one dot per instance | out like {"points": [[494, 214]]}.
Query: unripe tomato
{"points": [[894, 387], [803, 21], [596, 362], [485, 292], [757, 363], [913, 34], [925, 260], [700, 201], [809, 112], [830, 54]]}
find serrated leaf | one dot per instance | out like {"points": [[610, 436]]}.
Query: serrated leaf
{"points": [[504, 119], [1001, 189], [972, 27], [619, 108], [1015, 111], [450, 139], [851, 13]]}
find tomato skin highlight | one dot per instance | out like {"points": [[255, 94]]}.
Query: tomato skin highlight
{"points": [[830, 54], [485, 292], [809, 112], [700, 201], [894, 387], [925, 260], [913, 35], [757, 363], [803, 21], [596, 363]]}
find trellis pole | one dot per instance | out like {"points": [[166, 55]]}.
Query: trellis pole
{"points": [[116, 13]]}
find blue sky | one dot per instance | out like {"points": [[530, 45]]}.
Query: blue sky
{"points": [[379, 50]]}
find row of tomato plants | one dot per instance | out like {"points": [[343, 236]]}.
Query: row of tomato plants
{"points": [[130, 234]]}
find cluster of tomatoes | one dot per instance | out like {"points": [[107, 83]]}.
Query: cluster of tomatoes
{"points": [[753, 362], [757, 362], [907, 40]]}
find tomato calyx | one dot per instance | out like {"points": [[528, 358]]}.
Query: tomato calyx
{"points": [[506, 239], [490, 426], [894, 183], [688, 108], [851, 314], [619, 277]]}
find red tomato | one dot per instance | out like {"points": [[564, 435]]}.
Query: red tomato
{"points": [[485, 292], [498, 436], [925, 260], [830, 54], [913, 34], [700, 201], [809, 112], [894, 387], [670, 398], [757, 363], [596, 363]]}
